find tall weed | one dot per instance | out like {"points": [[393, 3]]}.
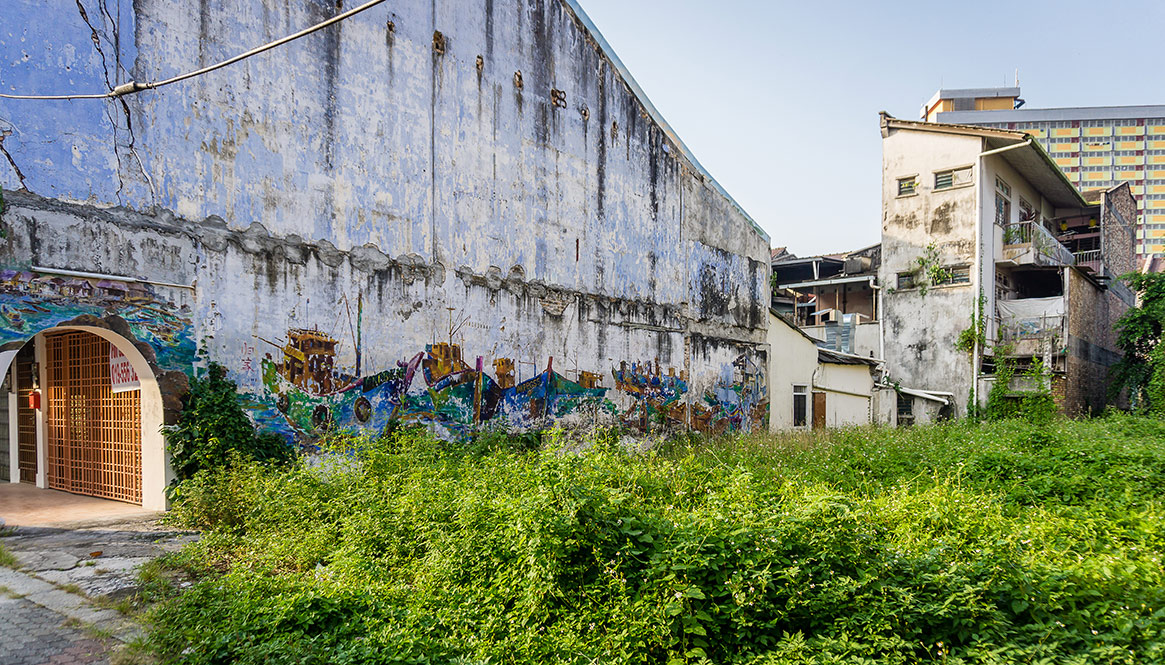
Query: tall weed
{"points": [[957, 543]]}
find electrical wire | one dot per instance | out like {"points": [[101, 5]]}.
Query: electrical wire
{"points": [[133, 86]]}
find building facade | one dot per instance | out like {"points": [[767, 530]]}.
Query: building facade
{"points": [[811, 387], [834, 298], [1096, 147], [979, 224], [461, 214]]}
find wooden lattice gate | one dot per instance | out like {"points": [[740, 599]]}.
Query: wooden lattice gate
{"points": [[94, 434], [25, 415]]}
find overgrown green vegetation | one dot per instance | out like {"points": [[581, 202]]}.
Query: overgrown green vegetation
{"points": [[7, 559], [212, 430], [1033, 404], [960, 543], [1139, 333]]}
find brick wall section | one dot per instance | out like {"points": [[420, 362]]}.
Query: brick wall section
{"points": [[1118, 230], [1091, 344], [1059, 391]]}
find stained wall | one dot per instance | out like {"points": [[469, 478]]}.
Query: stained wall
{"points": [[455, 213]]}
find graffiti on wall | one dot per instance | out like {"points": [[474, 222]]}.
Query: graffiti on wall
{"points": [[305, 391], [31, 302]]}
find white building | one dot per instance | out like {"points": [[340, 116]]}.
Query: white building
{"points": [[980, 224], [816, 387]]}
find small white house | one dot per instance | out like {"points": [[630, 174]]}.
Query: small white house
{"points": [[814, 387]]}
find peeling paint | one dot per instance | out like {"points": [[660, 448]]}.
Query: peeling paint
{"points": [[381, 167]]}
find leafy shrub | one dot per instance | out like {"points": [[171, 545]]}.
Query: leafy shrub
{"points": [[955, 543], [212, 429]]}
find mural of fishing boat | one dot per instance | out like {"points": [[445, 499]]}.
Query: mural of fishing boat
{"points": [[13, 317], [654, 394], [305, 383]]}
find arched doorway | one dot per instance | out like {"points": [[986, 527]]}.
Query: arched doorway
{"points": [[93, 416], [97, 423]]}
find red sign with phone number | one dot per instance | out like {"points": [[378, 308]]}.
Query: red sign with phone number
{"points": [[122, 377]]}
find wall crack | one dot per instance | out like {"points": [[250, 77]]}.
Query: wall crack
{"points": [[95, 37], [12, 162]]}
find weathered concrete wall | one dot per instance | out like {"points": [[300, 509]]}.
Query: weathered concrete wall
{"points": [[792, 361], [476, 173], [921, 328], [848, 394]]}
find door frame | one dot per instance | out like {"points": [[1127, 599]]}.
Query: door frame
{"points": [[819, 413], [156, 470]]}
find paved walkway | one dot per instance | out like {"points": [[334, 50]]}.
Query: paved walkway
{"points": [[71, 556], [26, 505], [31, 634]]}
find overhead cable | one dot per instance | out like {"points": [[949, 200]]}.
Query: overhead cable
{"points": [[133, 86]]}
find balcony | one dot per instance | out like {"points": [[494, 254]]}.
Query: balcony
{"points": [[1089, 259], [1028, 325], [1029, 243]]}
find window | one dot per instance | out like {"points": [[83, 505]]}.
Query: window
{"points": [[1027, 212], [1003, 187], [905, 410], [955, 275], [952, 178], [800, 406], [906, 186], [906, 280], [1002, 203]]}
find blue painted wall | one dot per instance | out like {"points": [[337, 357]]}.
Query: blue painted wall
{"points": [[368, 139]]}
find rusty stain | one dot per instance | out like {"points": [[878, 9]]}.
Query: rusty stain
{"points": [[518, 79], [558, 97]]}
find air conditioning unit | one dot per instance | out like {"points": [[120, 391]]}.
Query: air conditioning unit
{"points": [[856, 264]]}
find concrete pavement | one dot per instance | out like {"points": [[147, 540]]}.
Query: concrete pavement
{"points": [[71, 553]]}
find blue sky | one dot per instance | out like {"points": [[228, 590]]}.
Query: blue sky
{"points": [[779, 100]]}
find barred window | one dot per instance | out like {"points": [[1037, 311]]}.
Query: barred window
{"points": [[952, 178], [907, 186]]}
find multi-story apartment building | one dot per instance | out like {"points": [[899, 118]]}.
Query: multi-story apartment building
{"points": [[1096, 147], [980, 224]]}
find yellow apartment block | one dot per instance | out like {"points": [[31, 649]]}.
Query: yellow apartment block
{"points": [[1119, 140]]}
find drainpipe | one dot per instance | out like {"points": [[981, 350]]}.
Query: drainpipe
{"points": [[878, 314], [978, 314]]}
